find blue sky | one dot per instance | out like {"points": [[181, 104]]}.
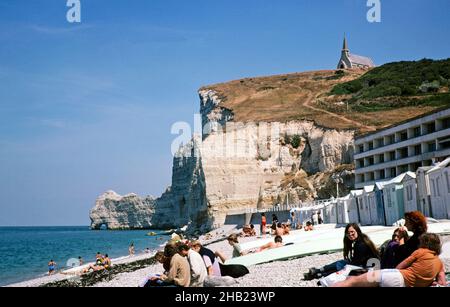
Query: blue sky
{"points": [[88, 107]]}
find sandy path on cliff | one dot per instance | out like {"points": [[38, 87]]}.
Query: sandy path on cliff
{"points": [[307, 104]]}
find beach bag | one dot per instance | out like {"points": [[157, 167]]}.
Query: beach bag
{"points": [[339, 276], [233, 270]]}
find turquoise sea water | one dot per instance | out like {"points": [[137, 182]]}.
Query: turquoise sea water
{"points": [[25, 251]]}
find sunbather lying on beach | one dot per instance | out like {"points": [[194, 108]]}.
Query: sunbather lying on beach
{"points": [[278, 242], [309, 226], [281, 230], [248, 231]]}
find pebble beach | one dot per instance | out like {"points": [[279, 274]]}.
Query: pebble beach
{"points": [[287, 273]]}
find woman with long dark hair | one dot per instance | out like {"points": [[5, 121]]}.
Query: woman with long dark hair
{"points": [[417, 223], [358, 249]]}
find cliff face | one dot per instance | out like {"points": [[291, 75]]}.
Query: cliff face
{"points": [[122, 212], [256, 163], [247, 165]]}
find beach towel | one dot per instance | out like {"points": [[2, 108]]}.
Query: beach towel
{"points": [[339, 276]]}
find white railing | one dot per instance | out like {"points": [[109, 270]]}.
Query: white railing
{"points": [[282, 207]]}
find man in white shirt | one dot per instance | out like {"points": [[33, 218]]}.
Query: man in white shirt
{"points": [[198, 268]]}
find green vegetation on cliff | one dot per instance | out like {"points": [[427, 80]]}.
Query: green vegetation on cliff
{"points": [[423, 82]]}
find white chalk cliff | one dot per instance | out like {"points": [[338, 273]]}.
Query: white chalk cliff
{"points": [[239, 166], [249, 165]]}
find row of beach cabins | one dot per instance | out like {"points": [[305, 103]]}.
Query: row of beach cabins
{"points": [[384, 203]]}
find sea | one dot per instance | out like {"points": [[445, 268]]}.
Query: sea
{"points": [[26, 251]]}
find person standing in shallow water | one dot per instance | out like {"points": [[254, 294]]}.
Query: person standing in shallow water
{"points": [[131, 249], [51, 267]]}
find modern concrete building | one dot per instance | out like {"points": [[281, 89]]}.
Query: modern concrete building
{"points": [[387, 153]]}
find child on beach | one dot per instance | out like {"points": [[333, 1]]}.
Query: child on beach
{"points": [[422, 269], [51, 267]]}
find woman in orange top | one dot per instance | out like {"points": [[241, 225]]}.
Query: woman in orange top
{"points": [[421, 269]]}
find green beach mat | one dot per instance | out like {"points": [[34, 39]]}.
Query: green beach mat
{"points": [[320, 244]]}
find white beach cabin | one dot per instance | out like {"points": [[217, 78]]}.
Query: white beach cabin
{"points": [[370, 200], [304, 214], [423, 190], [440, 190], [347, 210], [379, 197], [363, 210], [410, 193], [330, 213], [394, 205]]}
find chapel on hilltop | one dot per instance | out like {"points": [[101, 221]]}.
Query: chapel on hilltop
{"points": [[349, 60]]}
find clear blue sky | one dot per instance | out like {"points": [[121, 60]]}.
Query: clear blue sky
{"points": [[86, 108]]}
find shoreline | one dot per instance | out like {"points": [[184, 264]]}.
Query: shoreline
{"points": [[132, 271]]}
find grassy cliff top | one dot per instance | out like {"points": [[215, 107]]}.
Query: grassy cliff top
{"points": [[361, 100]]}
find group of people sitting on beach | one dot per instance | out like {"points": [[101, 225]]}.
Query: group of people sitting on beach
{"points": [[405, 261], [281, 229], [102, 262], [190, 264]]}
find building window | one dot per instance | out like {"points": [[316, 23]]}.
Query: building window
{"points": [[361, 148], [403, 136], [382, 158], [418, 150], [432, 147], [370, 145], [431, 127], [417, 132], [446, 123], [383, 176], [393, 172], [403, 152], [403, 169], [360, 163], [392, 156]]}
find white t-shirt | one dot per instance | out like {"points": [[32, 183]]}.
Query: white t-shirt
{"points": [[198, 269]]}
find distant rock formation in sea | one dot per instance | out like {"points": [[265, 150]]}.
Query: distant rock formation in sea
{"points": [[116, 212]]}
